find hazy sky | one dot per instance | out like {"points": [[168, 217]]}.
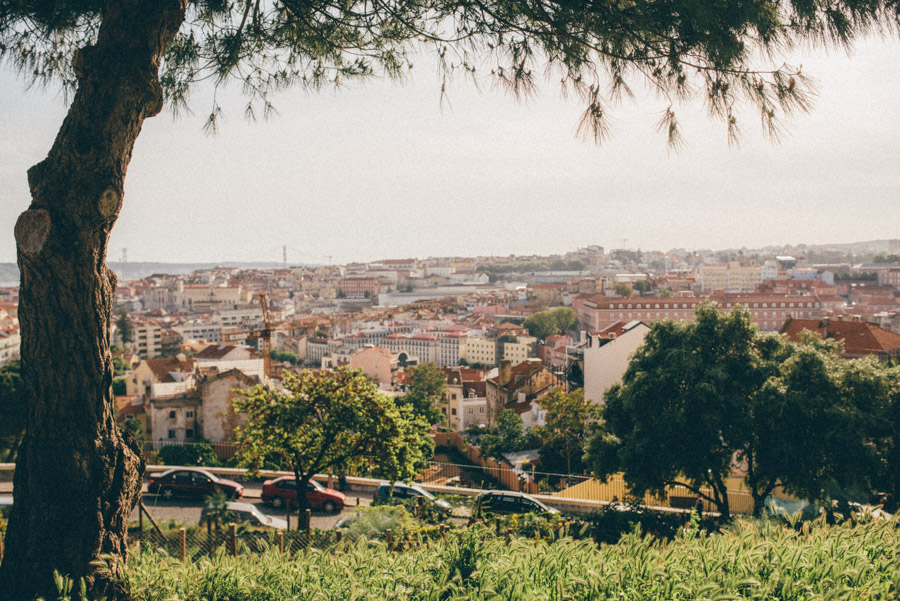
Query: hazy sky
{"points": [[382, 170]]}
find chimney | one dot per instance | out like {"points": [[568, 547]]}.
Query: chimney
{"points": [[505, 374]]}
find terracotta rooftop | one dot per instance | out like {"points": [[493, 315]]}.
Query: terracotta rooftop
{"points": [[215, 351], [859, 337], [162, 368]]}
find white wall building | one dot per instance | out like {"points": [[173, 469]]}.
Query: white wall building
{"points": [[606, 356]]}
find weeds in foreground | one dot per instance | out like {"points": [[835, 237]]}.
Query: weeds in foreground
{"points": [[748, 560]]}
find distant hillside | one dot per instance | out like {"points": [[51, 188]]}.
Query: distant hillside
{"points": [[9, 272], [873, 246]]}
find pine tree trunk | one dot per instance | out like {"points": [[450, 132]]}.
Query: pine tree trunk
{"points": [[76, 478]]}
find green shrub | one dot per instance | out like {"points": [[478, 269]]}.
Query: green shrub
{"points": [[200, 452]]}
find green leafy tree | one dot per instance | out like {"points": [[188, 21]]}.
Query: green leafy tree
{"points": [[424, 392], [887, 438], [541, 324], [119, 387], [821, 425], [622, 289], [665, 293], [328, 420], [505, 437], [12, 411], [125, 59], [565, 317], [286, 357], [126, 330], [199, 452], [642, 286], [569, 421], [699, 399], [120, 366]]}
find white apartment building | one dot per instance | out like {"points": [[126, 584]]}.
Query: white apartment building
{"points": [[481, 350], [147, 339], [733, 277], [200, 330], [520, 350], [606, 356]]}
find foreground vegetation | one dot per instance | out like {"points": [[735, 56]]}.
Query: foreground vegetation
{"points": [[749, 560]]}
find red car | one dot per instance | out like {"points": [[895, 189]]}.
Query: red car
{"points": [[281, 490], [191, 482]]}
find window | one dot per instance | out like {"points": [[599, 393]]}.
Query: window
{"points": [[471, 411], [171, 416], [171, 434], [481, 410], [189, 433], [189, 414], [453, 412]]}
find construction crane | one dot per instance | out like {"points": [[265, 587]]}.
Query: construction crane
{"points": [[262, 336]]}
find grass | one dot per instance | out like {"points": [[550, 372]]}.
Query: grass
{"points": [[748, 560]]}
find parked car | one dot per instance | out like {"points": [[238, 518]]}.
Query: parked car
{"points": [[282, 490], [247, 512], [403, 492], [503, 501], [191, 482]]}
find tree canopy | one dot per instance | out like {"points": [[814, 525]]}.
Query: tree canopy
{"points": [[328, 421], [546, 323], [569, 421], [126, 331], [424, 392], [597, 51], [704, 400]]}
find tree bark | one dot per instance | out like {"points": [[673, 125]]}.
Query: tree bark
{"points": [[77, 479]]}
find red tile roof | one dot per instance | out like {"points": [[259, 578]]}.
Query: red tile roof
{"points": [[215, 351], [161, 368], [859, 337]]}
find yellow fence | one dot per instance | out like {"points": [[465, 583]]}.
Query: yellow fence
{"points": [[615, 489]]}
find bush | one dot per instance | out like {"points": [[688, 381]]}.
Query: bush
{"points": [[195, 453]]}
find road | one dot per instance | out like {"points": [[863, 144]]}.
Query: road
{"points": [[187, 511]]}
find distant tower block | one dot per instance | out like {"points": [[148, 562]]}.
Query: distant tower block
{"points": [[124, 261], [284, 256]]}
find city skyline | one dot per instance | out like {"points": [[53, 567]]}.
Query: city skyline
{"points": [[486, 175]]}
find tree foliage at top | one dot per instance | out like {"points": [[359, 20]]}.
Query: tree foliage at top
{"points": [[702, 399], [323, 422], [599, 51]]}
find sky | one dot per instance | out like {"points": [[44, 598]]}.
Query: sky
{"points": [[382, 169]]}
